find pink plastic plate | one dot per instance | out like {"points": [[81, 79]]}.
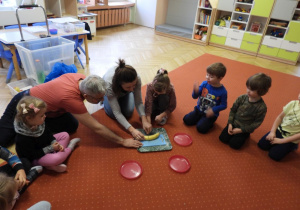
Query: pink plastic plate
{"points": [[183, 139], [179, 163], [131, 169]]}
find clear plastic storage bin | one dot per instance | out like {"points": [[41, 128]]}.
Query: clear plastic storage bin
{"points": [[21, 85], [38, 56]]}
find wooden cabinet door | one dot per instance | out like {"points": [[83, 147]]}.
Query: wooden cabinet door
{"points": [[284, 10], [293, 32], [262, 7], [226, 5]]}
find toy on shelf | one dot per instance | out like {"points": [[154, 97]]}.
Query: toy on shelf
{"points": [[255, 27], [277, 33], [236, 26], [240, 18], [201, 33], [223, 21], [207, 4], [279, 23], [238, 9]]}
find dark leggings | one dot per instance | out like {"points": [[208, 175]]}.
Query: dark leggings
{"points": [[276, 151], [160, 104], [203, 124], [235, 141]]}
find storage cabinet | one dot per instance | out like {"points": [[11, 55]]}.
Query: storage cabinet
{"points": [[262, 8], [282, 41], [204, 21], [62, 8], [242, 27]]}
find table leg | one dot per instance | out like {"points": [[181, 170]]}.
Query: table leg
{"points": [[86, 49], [1, 63], [15, 61]]}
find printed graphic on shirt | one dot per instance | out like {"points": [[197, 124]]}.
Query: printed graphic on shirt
{"points": [[206, 100]]}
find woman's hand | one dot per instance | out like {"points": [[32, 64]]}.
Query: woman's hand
{"points": [[137, 135], [20, 178], [131, 143], [147, 127]]}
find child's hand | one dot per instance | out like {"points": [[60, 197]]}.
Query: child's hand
{"points": [[271, 136], [55, 146], [276, 141], [209, 113], [196, 87], [20, 178], [236, 131], [230, 131], [61, 148], [158, 118]]}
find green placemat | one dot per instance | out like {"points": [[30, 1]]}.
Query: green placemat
{"points": [[163, 132]]}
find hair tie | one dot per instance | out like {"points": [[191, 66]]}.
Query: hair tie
{"points": [[24, 109], [31, 106], [161, 71]]}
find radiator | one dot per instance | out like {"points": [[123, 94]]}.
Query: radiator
{"points": [[111, 17]]}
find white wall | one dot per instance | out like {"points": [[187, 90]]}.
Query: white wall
{"points": [[182, 13]]}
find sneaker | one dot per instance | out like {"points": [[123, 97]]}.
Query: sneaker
{"points": [[59, 168], [73, 143], [163, 121], [33, 173], [31, 176]]}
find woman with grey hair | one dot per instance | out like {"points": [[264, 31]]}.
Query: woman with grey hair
{"points": [[65, 97]]}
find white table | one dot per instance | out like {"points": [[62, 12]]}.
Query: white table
{"points": [[10, 36]]}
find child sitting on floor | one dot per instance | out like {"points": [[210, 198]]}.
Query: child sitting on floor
{"points": [[160, 100], [9, 194], [284, 136], [247, 113], [35, 142], [212, 99]]}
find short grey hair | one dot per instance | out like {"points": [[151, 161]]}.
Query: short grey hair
{"points": [[93, 85]]}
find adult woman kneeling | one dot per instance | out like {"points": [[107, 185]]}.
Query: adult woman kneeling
{"points": [[122, 94]]}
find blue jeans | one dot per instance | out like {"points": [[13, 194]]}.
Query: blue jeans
{"points": [[203, 124], [276, 151], [126, 104]]}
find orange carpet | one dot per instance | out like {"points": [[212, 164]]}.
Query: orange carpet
{"points": [[219, 178]]}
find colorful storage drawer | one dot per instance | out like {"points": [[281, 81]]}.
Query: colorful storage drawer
{"points": [[268, 50], [252, 37], [289, 55], [217, 39], [249, 46]]}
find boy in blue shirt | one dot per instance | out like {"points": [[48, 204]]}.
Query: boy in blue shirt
{"points": [[212, 98]]}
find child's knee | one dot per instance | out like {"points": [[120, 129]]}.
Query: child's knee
{"points": [[274, 156], [202, 129]]}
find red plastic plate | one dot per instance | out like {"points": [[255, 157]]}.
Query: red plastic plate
{"points": [[131, 169], [183, 139], [179, 163]]}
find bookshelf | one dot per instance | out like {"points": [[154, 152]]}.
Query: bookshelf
{"points": [[203, 21]]}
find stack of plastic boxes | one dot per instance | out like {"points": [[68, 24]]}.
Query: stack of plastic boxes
{"points": [[38, 57]]}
